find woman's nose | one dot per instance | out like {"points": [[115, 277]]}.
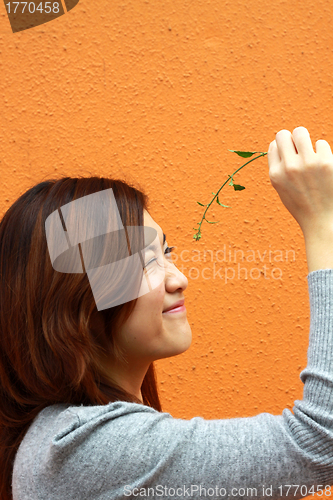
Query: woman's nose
{"points": [[174, 276]]}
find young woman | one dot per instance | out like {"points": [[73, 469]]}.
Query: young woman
{"points": [[80, 416]]}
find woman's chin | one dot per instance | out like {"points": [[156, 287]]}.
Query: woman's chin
{"points": [[177, 348], [184, 341]]}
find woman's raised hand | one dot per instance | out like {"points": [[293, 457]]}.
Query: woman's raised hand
{"points": [[303, 179]]}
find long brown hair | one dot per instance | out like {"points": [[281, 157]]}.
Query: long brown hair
{"points": [[49, 350]]}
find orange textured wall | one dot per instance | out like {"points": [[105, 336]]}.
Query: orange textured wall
{"points": [[157, 92]]}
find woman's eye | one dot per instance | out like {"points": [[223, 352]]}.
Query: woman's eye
{"points": [[166, 251], [152, 260]]}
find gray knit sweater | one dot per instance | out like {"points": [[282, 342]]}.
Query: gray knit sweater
{"points": [[127, 450]]}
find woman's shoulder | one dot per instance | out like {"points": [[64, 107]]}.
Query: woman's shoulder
{"points": [[59, 420], [61, 423], [62, 432]]}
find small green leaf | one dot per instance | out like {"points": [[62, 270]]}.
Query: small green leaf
{"points": [[231, 183], [237, 187], [212, 222], [243, 154], [217, 200], [201, 204]]}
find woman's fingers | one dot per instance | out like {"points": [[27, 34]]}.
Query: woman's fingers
{"points": [[323, 149], [274, 161], [303, 144], [286, 146], [295, 148]]}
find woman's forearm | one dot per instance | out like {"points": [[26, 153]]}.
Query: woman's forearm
{"points": [[319, 250]]}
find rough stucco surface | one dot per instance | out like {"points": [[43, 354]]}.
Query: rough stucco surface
{"points": [[156, 93]]}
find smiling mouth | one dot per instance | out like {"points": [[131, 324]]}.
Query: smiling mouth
{"points": [[178, 309]]}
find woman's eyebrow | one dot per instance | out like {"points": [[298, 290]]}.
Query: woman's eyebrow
{"points": [[164, 238]]}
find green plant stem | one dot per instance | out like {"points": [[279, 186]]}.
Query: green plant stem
{"points": [[197, 236]]}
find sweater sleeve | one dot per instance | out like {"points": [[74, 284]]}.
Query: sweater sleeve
{"points": [[126, 450]]}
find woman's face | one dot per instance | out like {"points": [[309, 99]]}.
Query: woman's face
{"points": [[149, 333]]}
